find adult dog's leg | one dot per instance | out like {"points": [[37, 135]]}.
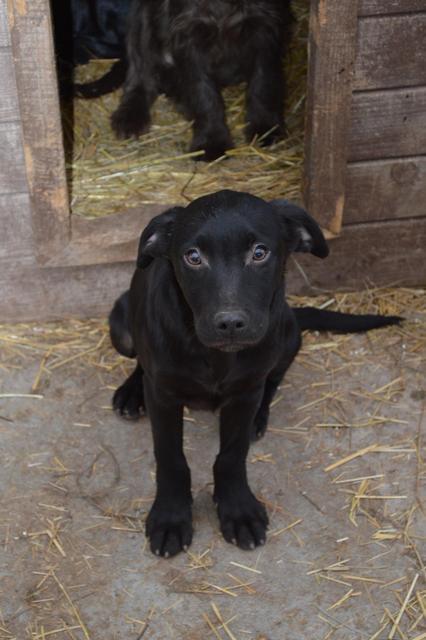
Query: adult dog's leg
{"points": [[243, 519], [265, 96], [169, 523], [203, 103], [128, 400], [132, 118]]}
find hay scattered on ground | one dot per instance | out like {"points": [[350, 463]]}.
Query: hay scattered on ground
{"points": [[107, 175], [377, 484]]}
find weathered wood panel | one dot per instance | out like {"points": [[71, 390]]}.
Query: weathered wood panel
{"points": [[385, 190], [383, 254], [32, 47], [388, 124], [332, 43], [8, 96], [377, 7], [15, 231], [13, 177], [391, 52], [4, 28]]}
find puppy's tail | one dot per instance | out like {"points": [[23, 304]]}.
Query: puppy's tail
{"points": [[110, 81], [324, 320], [119, 329]]}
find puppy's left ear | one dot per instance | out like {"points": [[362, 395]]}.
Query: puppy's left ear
{"points": [[155, 238], [301, 231]]}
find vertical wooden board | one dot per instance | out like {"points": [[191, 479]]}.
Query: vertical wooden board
{"points": [[8, 91], [387, 7], [388, 124], [385, 190], [16, 244], [32, 47], [332, 43], [391, 52], [13, 177], [4, 28]]}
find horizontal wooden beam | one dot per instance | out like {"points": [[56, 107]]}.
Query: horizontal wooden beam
{"points": [[391, 52], [379, 254], [388, 124], [385, 189], [377, 7]]}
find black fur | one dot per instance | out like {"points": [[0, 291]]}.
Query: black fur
{"points": [[218, 335], [86, 29], [190, 49]]}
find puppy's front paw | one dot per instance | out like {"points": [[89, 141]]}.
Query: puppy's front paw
{"points": [[128, 400], [169, 528], [243, 521], [130, 120]]}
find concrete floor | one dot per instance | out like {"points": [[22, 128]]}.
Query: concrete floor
{"points": [[345, 546]]}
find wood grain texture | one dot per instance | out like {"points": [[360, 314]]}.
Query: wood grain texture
{"points": [[16, 244], [32, 47], [8, 91], [382, 254], [385, 190], [4, 27], [377, 7], [332, 43], [391, 52], [388, 124], [13, 178]]}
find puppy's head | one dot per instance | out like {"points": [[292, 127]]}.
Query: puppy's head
{"points": [[228, 252]]}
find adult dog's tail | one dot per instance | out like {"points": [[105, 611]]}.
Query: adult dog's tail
{"points": [[324, 320], [110, 81]]}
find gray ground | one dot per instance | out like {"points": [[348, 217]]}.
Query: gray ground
{"points": [[345, 546]]}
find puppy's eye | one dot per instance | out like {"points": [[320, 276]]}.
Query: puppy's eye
{"points": [[260, 252], [192, 257]]}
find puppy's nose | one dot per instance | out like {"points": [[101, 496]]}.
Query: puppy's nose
{"points": [[230, 323]]}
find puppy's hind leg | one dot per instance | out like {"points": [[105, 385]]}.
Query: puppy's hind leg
{"points": [[260, 423], [128, 400]]}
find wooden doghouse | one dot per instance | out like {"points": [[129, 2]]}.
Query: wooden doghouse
{"points": [[365, 164]]}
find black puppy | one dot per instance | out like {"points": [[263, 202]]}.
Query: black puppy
{"points": [[190, 49], [207, 319]]}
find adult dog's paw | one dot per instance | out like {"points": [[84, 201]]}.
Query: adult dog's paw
{"points": [[169, 528], [266, 134], [243, 521], [130, 120], [128, 400], [213, 145]]}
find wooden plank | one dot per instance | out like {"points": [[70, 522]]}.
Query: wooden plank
{"points": [[364, 255], [15, 230], [385, 7], [32, 47], [4, 27], [388, 124], [113, 238], [9, 95], [385, 189], [13, 177], [391, 52], [332, 43], [381, 254]]}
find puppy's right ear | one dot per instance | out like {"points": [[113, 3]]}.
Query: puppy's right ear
{"points": [[155, 238]]}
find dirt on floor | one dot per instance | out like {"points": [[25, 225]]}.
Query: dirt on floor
{"points": [[341, 471]]}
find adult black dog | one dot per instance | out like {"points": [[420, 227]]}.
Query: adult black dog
{"points": [[207, 319], [190, 49], [86, 29]]}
